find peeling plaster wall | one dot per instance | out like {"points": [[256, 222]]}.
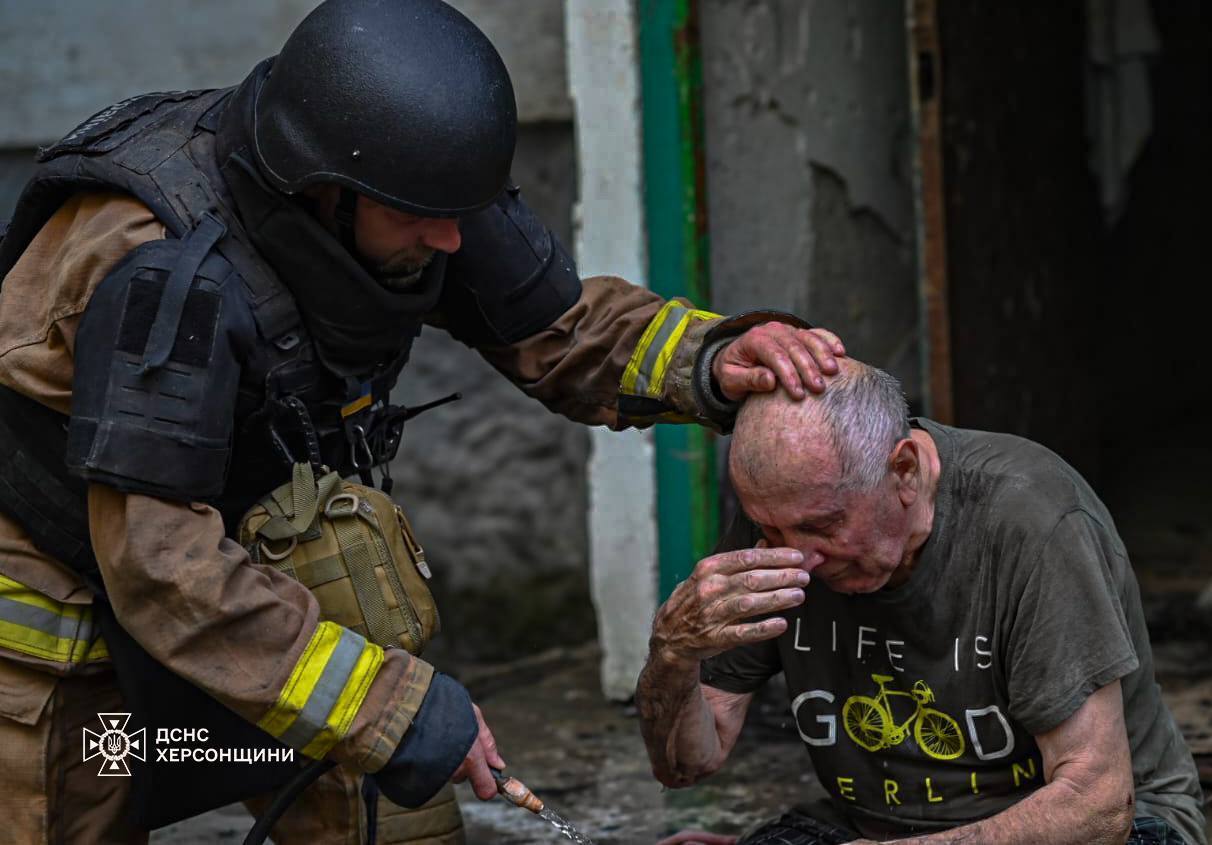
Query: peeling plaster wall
{"points": [[495, 484], [808, 181]]}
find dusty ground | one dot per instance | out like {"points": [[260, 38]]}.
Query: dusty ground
{"points": [[584, 757]]}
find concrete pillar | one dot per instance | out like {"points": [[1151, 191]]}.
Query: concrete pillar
{"points": [[810, 200], [603, 73]]}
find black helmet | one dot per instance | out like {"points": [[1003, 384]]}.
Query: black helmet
{"points": [[405, 101]]}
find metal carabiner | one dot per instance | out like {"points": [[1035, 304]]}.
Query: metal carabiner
{"points": [[359, 449]]}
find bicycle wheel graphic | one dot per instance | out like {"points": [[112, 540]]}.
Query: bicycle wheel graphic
{"points": [[938, 734], [866, 722]]}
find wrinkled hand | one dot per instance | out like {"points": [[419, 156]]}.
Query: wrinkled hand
{"points": [[775, 353], [706, 613], [697, 837], [475, 766]]}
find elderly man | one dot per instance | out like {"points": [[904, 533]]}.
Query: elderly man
{"points": [[968, 660]]}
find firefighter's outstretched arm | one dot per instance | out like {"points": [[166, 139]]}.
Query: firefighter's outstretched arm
{"points": [[606, 352]]}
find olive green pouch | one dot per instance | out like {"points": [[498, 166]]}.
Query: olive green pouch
{"points": [[354, 549]]}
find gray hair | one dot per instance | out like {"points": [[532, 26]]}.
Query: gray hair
{"points": [[866, 416]]}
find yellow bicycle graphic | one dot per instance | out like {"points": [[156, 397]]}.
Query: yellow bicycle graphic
{"points": [[869, 722]]}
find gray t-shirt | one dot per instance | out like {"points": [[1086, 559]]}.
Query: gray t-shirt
{"points": [[919, 704]]}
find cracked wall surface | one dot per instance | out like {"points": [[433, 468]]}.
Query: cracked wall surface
{"points": [[809, 189]]}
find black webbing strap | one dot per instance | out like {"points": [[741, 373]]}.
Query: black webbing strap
{"points": [[302, 418], [163, 335]]}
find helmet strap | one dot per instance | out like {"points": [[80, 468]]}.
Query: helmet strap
{"points": [[346, 214]]}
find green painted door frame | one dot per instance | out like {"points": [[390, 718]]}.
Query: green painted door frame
{"points": [[675, 200]]}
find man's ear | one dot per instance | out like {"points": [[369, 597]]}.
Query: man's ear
{"points": [[906, 465]]}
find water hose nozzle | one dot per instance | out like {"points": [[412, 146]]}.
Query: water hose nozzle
{"points": [[517, 793]]}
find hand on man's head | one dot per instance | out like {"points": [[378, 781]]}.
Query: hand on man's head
{"points": [[714, 609], [776, 354]]}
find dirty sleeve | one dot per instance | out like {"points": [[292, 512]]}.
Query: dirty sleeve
{"points": [[248, 635], [620, 356]]}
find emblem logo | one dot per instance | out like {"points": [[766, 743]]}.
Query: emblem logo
{"points": [[114, 744]]}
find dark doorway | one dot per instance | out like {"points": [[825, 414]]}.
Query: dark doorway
{"points": [[1074, 323], [1155, 386]]}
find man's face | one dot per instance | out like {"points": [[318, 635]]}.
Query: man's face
{"points": [[395, 244], [860, 537], [398, 244]]}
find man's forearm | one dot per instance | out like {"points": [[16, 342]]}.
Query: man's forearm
{"points": [[1058, 814], [677, 724]]}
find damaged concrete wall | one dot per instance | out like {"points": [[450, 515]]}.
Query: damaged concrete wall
{"points": [[809, 189], [495, 484]]}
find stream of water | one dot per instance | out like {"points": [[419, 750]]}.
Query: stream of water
{"points": [[564, 826]]}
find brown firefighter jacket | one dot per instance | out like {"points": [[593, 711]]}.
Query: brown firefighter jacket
{"points": [[247, 635]]}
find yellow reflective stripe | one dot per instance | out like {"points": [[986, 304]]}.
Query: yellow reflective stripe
{"points": [[16, 591], [97, 651], [35, 643], [302, 679], [38, 626], [649, 362], [324, 691], [632, 371], [24, 639], [348, 703], [656, 382]]}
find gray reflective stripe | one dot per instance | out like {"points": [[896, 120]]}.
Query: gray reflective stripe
{"points": [[41, 619], [675, 315], [324, 696]]}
